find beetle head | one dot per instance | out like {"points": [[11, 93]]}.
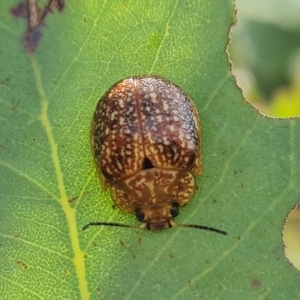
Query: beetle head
{"points": [[157, 217]]}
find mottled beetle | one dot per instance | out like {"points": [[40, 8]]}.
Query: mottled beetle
{"points": [[146, 141]]}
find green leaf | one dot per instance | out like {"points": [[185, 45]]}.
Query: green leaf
{"points": [[49, 187]]}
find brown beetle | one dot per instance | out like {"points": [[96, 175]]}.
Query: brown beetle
{"points": [[146, 141]]}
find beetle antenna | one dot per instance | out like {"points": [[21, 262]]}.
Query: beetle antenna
{"points": [[199, 227], [204, 228], [110, 224], [172, 223]]}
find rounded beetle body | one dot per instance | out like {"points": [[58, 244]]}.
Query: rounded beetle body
{"points": [[146, 141]]}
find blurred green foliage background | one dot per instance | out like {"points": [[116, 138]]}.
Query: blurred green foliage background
{"points": [[265, 52]]}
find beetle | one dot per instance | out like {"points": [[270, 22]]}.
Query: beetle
{"points": [[146, 143]]}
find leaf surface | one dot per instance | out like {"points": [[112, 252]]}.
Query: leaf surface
{"points": [[49, 187]]}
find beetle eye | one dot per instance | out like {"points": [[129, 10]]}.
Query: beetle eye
{"points": [[139, 215], [174, 211]]}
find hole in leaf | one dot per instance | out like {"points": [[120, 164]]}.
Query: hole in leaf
{"points": [[291, 237]]}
